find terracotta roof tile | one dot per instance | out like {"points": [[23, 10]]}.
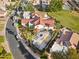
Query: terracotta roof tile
{"points": [[74, 40], [25, 21]]}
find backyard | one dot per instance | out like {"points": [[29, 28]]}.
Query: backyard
{"points": [[69, 19]]}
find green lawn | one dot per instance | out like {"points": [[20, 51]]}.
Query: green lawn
{"points": [[1, 39], [3, 54], [67, 19], [28, 35], [1, 49]]}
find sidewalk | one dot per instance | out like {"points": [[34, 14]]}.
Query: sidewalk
{"points": [[1, 33]]}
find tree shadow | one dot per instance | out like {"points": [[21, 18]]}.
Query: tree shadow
{"points": [[77, 47]]}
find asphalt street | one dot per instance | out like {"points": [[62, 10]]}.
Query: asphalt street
{"points": [[17, 49]]}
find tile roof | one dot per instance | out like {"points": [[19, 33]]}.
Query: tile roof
{"points": [[47, 22], [65, 38], [36, 20], [25, 21], [74, 40]]}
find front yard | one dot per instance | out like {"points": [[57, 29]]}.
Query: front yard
{"points": [[28, 35], [67, 18]]}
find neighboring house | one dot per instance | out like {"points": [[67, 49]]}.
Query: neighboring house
{"points": [[58, 48], [65, 37], [41, 3], [62, 43], [3, 4], [71, 5], [74, 41], [42, 40], [67, 40]]}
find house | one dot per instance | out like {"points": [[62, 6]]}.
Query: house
{"points": [[62, 43], [39, 23], [65, 37], [41, 3], [41, 40], [47, 21], [74, 41], [66, 6], [44, 23]]}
